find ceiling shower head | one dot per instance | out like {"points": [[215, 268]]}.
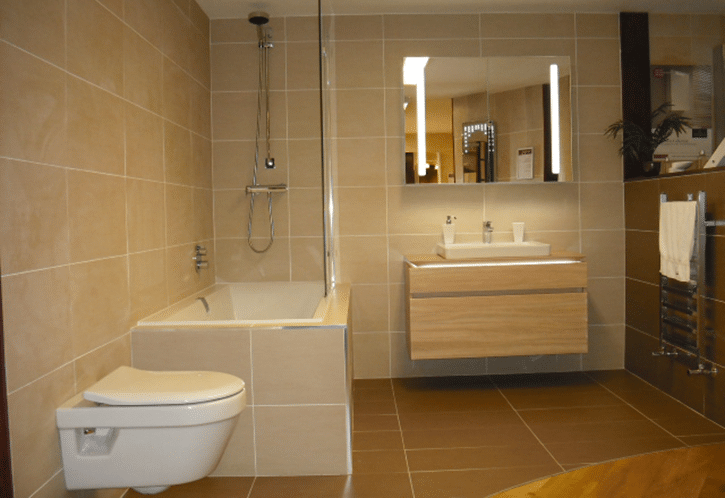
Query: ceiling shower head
{"points": [[258, 18]]}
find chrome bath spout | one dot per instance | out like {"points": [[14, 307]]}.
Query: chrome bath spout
{"points": [[206, 305]]}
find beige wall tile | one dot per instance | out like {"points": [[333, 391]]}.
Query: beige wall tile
{"points": [[361, 162], [417, 26], [370, 308], [177, 88], [239, 455], [307, 258], [304, 217], [200, 109], [602, 206], [97, 215], [229, 112], [606, 348], [358, 27], [36, 323], [299, 29], [363, 259], [94, 366], [298, 366], [598, 108], [36, 26], [362, 211], [146, 215], [371, 355], [144, 144], [361, 113], [220, 350], [303, 114], [95, 45], [597, 25], [304, 163], [177, 40], [179, 213], [99, 299], [231, 210], [146, 17], [182, 277], [32, 108], [203, 219], [35, 222], [606, 301], [236, 262], [33, 430], [527, 26], [359, 64], [599, 159], [177, 155], [95, 128], [234, 67], [603, 251], [147, 283], [303, 66], [598, 62], [143, 72], [301, 440], [541, 207]]}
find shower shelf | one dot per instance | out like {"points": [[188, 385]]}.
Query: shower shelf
{"points": [[266, 189]]}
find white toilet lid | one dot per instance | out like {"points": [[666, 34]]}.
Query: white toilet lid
{"points": [[134, 387]]}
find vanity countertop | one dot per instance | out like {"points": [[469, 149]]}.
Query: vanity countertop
{"points": [[435, 259]]}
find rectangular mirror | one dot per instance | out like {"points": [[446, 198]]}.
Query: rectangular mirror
{"points": [[487, 119]]}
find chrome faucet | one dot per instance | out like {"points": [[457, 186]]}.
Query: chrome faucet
{"points": [[203, 301], [487, 231]]}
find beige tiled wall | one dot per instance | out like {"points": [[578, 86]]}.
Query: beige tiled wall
{"points": [[105, 187], [296, 253], [381, 219]]}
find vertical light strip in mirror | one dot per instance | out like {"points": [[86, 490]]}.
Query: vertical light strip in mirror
{"points": [[414, 74], [554, 102]]}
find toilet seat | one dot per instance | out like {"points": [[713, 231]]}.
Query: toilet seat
{"points": [[128, 386]]}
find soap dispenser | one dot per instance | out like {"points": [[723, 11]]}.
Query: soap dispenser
{"points": [[449, 230]]}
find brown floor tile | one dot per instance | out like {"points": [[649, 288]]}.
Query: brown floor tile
{"points": [[380, 440], [691, 424], [560, 397], [302, 487], [373, 407], [564, 379], [378, 384], [379, 462], [451, 401], [603, 451], [373, 396], [442, 384], [386, 422], [478, 458], [381, 485], [580, 414], [599, 431], [475, 483], [499, 435], [703, 440], [457, 420], [620, 381], [210, 487]]}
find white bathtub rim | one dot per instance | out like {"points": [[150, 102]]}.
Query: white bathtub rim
{"points": [[159, 320]]}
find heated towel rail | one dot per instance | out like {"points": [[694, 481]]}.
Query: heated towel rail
{"points": [[682, 323]]}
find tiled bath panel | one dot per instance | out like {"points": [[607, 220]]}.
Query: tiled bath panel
{"points": [[476, 436]]}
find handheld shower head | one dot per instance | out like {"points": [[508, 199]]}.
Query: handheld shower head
{"points": [[258, 18]]}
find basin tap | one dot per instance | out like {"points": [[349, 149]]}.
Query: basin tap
{"points": [[487, 231]]}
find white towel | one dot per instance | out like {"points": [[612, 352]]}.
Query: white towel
{"points": [[677, 238]]}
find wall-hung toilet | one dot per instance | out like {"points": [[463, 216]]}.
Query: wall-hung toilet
{"points": [[148, 430]]}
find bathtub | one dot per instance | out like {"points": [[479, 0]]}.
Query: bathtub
{"points": [[248, 305], [293, 348]]}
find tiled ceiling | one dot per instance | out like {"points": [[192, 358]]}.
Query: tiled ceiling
{"points": [[220, 9]]}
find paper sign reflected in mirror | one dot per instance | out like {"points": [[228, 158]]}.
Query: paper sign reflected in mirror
{"points": [[487, 119]]}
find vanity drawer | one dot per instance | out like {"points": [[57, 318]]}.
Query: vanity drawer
{"points": [[510, 277], [497, 325]]}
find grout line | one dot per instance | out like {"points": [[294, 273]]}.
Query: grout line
{"points": [[400, 428], [648, 418], [529, 428]]}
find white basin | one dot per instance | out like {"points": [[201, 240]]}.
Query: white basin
{"points": [[471, 250]]}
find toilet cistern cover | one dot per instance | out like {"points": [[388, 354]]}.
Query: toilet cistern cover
{"points": [[133, 387]]}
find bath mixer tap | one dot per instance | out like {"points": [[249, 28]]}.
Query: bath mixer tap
{"points": [[487, 231], [203, 301], [199, 258]]}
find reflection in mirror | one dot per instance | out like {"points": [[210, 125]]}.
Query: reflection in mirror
{"points": [[489, 119]]}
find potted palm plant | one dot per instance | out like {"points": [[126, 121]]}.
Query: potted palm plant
{"points": [[639, 144]]}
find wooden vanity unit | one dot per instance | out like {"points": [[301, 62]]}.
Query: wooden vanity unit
{"points": [[496, 307]]}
